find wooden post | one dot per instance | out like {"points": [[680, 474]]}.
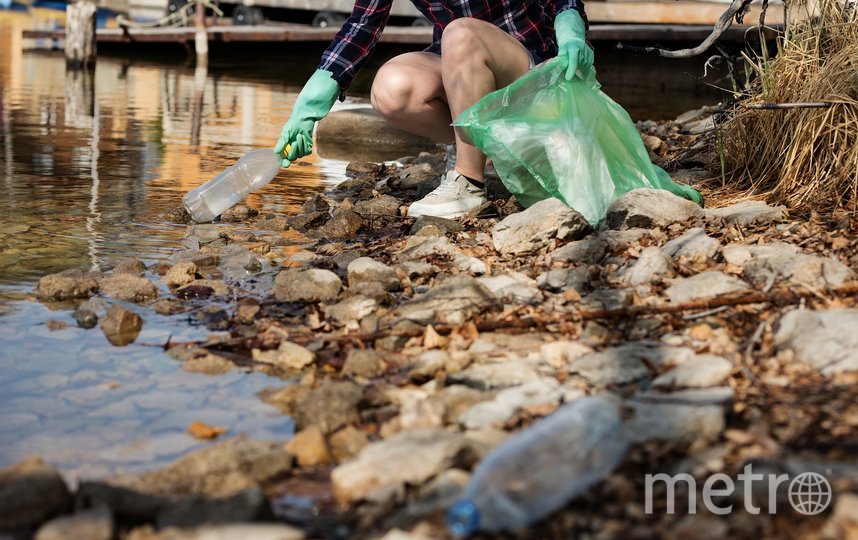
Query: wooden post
{"points": [[80, 98], [201, 38], [80, 35]]}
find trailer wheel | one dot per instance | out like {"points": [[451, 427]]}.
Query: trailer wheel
{"points": [[247, 16], [324, 19], [421, 22]]}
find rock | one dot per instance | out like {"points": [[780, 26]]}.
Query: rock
{"points": [[414, 175], [200, 360], [495, 413], [826, 340], [407, 458], [364, 363], [88, 313], [169, 306], [695, 115], [454, 300], [843, 522], [347, 442], [214, 287], [121, 326], [247, 505], [748, 213], [307, 285], [332, 405], [222, 470], [798, 269], [414, 269], [181, 274], [287, 356], [366, 270], [496, 375], [343, 226], [535, 228], [470, 265], [698, 372], [650, 208], [383, 205], [741, 254], [134, 267], [588, 251], [67, 285], [238, 213], [430, 246], [694, 245], [445, 226], [308, 221], [310, 447], [704, 285], [651, 264], [564, 279], [514, 287], [630, 238], [316, 203], [351, 310], [612, 366], [248, 531], [128, 288], [203, 259], [671, 422], [560, 354], [654, 144], [31, 492], [94, 524], [721, 396]]}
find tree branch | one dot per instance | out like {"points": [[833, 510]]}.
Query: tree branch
{"points": [[736, 9]]}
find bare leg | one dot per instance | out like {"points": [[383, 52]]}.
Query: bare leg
{"points": [[422, 92], [477, 58], [408, 91]]}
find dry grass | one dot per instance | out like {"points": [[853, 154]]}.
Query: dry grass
{"points": [[806, 158]]}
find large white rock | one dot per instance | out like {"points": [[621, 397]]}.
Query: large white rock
{"points": [[826, 340], [534, 228]]}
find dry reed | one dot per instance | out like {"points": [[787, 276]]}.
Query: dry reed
{"points": [[804, 157]]}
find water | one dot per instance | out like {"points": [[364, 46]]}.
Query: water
{"points": [[84, 182]]}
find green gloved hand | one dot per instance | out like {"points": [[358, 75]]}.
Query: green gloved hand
{"points": [[572, 42], [313, 103]]}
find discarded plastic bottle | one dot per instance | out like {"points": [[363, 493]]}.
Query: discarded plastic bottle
{"points": [[254, 170], [535, 472]]}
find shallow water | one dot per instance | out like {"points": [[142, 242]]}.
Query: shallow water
{"points": [[85, 179]]}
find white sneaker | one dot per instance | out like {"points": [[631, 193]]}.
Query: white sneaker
{"points": [[453, 198]]}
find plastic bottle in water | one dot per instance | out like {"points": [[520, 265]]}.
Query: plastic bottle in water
{"points": [[538, 470], [254, 170]]}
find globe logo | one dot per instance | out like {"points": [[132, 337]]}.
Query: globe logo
{"points": [[810, 493]]}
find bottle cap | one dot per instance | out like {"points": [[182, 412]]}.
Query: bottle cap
{"points": [[463, 518]]}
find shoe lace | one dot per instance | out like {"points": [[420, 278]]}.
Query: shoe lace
{"points": [[448, 185]]}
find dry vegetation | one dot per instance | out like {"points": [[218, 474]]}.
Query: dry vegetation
{"points": [[805, 154]]}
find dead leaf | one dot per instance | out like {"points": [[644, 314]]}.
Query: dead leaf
{"points": [[201, 430]]}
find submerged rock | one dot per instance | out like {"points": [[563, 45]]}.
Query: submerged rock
{"points": [[120, 326], [181, 274], [536, 227], [31, 492], [88, 313], [134, 267], [649, 208], [307, 285], [67, 285]]}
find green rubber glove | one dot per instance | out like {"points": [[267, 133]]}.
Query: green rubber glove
{"points": [[313, 103], [572, 42]]}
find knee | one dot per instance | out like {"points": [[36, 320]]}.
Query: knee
{"points": [[461, 40], [392, 91]]}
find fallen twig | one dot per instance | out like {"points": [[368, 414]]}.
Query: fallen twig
{"points": [[724, 22], [810, 105]]}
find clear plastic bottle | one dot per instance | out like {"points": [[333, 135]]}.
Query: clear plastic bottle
{"points": [[254, 170], [538, 470]]}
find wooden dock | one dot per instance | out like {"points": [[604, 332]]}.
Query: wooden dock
{"points": [[282, 33]]}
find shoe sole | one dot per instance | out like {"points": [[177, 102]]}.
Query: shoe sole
{"points": [[449, 214]]}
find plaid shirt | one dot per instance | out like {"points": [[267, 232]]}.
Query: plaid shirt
{"points": [[531, 23]]}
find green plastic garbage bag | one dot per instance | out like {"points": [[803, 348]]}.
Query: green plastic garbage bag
{"points": [[549, 137]]}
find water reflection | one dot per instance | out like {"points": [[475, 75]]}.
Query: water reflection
{"points": [[90, 161]]}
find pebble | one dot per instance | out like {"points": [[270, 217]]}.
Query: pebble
{"points": [[367, 270], [699, 372], [351, 310], [453, 300], [407, 458], [588, 251], [826, 340], [332, 405], [651, 264], [514, 287], [364, 363], [694, 245], [564, 279], [704, 285], [496, 375], [307, 285], [134, 267], [286, 356], [533, 229], [650, 208], [495, 413], [347, 442], [310, 447]]}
